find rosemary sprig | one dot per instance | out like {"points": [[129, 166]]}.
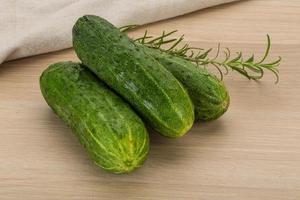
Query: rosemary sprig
{"points": [[248, 67]]}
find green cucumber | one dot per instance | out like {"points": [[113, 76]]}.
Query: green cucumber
{"points": [[111, 132], [151, 89], [208, 93]]}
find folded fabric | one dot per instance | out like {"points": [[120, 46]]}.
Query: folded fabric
{"points": [[33, 27]]}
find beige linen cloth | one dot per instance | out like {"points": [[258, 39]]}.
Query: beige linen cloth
{"points": [[30, 27]]}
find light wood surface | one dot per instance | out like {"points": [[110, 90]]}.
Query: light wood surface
{"points": [[252, 152]]}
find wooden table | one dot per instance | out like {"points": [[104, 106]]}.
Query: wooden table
{"points": [[252, 152]]}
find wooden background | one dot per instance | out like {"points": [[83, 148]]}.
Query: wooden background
{"points": [[252, 152]]}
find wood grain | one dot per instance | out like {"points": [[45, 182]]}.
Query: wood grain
{"points": [[253, 152]]}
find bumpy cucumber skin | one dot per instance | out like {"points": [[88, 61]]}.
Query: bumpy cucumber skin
{"points": [[151, 89], [111, 132], [208, 93]]}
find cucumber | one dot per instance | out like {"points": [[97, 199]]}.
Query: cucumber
{"points": [[151, 89], [208, 93], [111, 132]]}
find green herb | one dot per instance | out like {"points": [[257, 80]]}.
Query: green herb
{"points": [[248, 67]]}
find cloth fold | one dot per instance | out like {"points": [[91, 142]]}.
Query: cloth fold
{"points": [[33, 27]]}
